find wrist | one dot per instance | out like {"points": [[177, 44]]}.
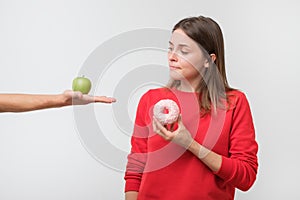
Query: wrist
{"points": [[198, 150], [60, 100], [203, 152], [193, 145], [183, 139]]}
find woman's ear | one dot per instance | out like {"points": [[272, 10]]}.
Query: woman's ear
{"points": [[213, 57]]}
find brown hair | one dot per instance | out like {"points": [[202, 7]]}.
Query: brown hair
{"points": [[208, 35]]}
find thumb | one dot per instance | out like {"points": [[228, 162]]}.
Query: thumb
{"points": [[180, 120], [77, 95]]}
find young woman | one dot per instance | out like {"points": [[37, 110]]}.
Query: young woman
{"points": [[211, 149]]}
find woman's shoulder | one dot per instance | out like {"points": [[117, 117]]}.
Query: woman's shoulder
{"points": [[235, 93], [236, 96]]}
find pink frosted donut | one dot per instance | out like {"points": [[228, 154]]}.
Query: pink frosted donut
{"points": [[166, 111]]}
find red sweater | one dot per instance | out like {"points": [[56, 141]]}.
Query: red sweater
{"points": [[162, 170]]}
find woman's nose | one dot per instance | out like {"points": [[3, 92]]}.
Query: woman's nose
{"points": [[172, 56]]}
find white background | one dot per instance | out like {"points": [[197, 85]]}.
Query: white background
{"points": [[44, 43]]}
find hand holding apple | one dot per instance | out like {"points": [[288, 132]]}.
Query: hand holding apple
{"points": [[82, 84], [70, 97], [81, 87]]}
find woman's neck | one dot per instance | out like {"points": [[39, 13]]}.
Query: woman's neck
{"points": [[188, 87]]}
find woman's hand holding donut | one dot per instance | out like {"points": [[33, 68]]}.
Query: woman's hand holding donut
{"points": [[180, 136]]}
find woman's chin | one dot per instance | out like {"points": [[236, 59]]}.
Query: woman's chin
{"points": [[176, 76]]}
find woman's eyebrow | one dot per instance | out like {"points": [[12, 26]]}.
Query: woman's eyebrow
{"points": [[181, 44]]}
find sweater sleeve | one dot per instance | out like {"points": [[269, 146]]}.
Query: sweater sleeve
{"points": [[138, 154], [240, 168]]}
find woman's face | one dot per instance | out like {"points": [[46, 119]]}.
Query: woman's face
{"points": [[186, 59]]}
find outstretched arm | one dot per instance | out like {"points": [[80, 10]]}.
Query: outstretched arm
{"points": [[30, 102]]}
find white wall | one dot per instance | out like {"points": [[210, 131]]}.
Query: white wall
{"points": [[43, 45]]}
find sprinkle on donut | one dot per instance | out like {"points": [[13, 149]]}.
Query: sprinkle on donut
{"points": [[166, 111]]}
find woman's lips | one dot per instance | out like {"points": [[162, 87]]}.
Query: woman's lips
{"points": [[174, 67]]}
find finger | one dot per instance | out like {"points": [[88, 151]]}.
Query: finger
{"points": [[155, 125], [179, 119], [173, 126], [104, 99], [156, 122], [162, 129], [156, 128], [77, 95], [159, 132], [180, 123], [68, 91]]}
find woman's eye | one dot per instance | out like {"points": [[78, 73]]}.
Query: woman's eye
{"points": [[170, 49], [184, 52]]}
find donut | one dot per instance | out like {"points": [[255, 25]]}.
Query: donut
{"points": [[166, 111]]}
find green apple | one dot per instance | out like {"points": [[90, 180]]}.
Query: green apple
{"points": [[82, 84]]}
